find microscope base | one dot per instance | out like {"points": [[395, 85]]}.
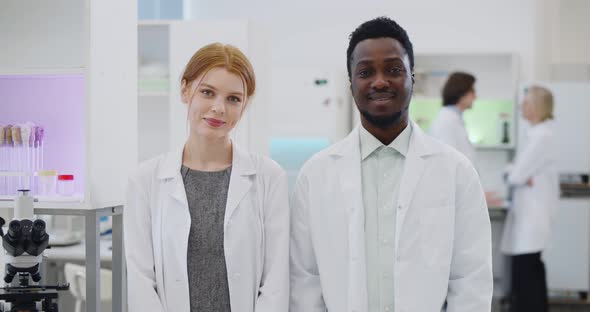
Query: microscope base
{"points": [[25, 300]]}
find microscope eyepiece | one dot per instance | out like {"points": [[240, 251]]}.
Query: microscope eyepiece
{"points": [[38, 233], [14, 229]]}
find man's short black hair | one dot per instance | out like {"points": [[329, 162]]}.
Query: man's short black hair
{"points": [[380, 27]]}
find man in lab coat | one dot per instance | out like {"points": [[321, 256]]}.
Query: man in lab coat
{"points": [[388, 219], [458, 95]]}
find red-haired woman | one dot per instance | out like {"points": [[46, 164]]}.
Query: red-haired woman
{"points": [[207, 226]]}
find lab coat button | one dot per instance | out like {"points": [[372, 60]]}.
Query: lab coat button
{"points": [[400, 207]]}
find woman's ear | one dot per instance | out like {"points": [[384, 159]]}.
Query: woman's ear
{"points": [[184, 92]]}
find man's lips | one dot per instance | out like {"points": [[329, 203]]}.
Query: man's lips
{"points": [[382, 96]]}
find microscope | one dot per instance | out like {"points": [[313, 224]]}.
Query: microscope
{"points": [[23, 244]]}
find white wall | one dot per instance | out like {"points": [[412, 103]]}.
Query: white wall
{"points": [[571, 41], [314, 35], [316, 32], [27, 26], [563, 40]]}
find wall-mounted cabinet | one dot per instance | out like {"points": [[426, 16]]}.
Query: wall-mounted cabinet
{"points": [[491, 123], [69, 66]]}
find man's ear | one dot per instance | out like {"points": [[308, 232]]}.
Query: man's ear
{"points": [[413, 78]]}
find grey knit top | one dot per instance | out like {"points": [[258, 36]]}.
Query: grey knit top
{"points": [[206, 193]]}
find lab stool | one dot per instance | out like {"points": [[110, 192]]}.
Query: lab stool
{"points": [[76, 276]]}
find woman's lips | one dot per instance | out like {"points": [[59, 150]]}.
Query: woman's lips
{"points": [[215, 123]]}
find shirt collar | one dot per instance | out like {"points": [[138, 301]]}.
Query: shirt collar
{"points": [[369, 143], [455, 109]]}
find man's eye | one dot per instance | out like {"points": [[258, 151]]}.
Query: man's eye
{"points": [[364, 73], [396, 70]]}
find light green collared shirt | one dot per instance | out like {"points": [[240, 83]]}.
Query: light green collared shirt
{"points": [[382, 167]]}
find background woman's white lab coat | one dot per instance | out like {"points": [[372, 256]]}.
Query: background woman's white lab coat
{"points": [[528, 224], [256, 236], [448, 127]]}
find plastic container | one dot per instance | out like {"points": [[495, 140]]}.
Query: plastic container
{"points": [[65, 184], [46, 182]]}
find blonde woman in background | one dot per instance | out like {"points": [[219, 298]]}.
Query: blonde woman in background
{"points": [[536, 193], [207, 225]]}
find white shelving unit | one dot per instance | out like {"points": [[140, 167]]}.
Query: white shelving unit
{"points": [[95, 42], [78, 38], [496, 80], [169, 45]]}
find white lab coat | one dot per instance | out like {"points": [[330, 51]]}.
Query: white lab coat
{"points": [[448, 127], [442, 240], [256, 236], [528, 223]]}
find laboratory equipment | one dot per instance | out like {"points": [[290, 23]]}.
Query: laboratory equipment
{"points": [[24, 244], [65, 184], [46, 182], [504, 128], [21, 156]]}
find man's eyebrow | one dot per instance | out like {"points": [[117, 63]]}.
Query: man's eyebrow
{"points": [[387, 60], [394, 59], [364, 62]]}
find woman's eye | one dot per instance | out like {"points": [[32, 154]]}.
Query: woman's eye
{"points": [[207, 92], [234, 99]]}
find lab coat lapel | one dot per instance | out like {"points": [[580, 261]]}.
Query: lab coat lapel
{"points": [[240, 182], [176, 222], [349, 168], [170, 173], [413, 171], [348, 164]]}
